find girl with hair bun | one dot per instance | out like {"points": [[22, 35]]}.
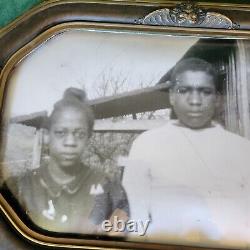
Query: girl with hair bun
{"points": [[65, 195]]}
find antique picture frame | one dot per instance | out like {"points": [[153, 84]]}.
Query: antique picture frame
{"points": [[137, 32]]}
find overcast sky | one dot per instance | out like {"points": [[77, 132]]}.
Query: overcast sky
{"points": [[83, 59]]}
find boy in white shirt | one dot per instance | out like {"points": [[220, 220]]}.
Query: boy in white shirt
{"points": [[191, 176]]}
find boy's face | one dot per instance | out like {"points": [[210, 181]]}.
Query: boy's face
{"points": [[68, 137], [194, 98]]}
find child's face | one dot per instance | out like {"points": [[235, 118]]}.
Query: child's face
{"points": [[194, 98], [68, 138]]}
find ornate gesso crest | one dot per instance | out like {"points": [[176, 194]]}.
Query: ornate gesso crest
{"points": [[188, 14]]}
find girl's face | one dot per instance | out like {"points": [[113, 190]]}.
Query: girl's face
{"points": [[68, 137]]}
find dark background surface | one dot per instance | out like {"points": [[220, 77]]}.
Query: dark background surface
{"points": [[11, 240], [9, 11]]}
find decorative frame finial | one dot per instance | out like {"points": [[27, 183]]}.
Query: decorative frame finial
{"points": [[188, 14]]}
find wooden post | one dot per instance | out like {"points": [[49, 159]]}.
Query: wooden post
{"points": [[37, 149]]}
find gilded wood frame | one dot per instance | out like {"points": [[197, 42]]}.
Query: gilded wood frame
{"points": [[31, 29]]}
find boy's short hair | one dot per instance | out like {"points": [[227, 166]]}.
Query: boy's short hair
{"points": [[195, 64]]}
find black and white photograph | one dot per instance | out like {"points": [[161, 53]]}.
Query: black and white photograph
{"points": [[136, 135]]}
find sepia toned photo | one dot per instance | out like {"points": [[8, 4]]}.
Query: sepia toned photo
{"points": [[140, 136]]}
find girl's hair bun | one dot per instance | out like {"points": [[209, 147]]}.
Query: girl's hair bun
{"points": [[74, 93], [76, 98]]}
